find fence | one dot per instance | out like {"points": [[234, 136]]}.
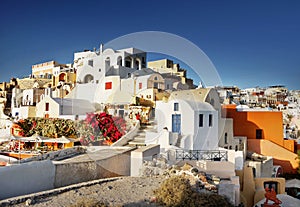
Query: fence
{"points": [[214, 155]]}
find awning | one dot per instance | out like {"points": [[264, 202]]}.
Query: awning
{"points": [[294, 183], [37, 138]]}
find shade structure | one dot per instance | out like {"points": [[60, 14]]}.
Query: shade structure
{"points": [[37, 138], [294, 183]]}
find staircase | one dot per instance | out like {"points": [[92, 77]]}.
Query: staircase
{"points": [[139, 139]]}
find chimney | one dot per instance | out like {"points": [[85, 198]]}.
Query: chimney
{"points": [[101, 48]]}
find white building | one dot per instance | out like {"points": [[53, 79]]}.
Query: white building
{"points": [[196, 123], [101, 73], [50, 107], [92, 66]]}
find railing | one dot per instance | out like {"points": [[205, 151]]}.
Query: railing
{"points": [[155, 139], [214, 155]]}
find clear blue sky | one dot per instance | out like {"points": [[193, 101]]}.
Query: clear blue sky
{"points": [[250, 42]]}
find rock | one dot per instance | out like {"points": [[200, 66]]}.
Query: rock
{"points": [[194, 171], [29, 202], [186, 167], [202, 178], [153, 199], [215, 178]]}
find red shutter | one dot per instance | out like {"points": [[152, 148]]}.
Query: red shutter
{"points": [[108, 85]]}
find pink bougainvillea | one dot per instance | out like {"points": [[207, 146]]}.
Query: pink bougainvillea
{"points": [[102, 127]]}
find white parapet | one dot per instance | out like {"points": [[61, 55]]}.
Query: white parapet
{"points": [[140, 155]]}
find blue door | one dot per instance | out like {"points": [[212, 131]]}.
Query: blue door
{"points": [[176, 123]]}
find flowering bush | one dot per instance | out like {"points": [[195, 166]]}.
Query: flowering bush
{"points": [[46, 127], [112, 128], [96, 127], [101, 127]]}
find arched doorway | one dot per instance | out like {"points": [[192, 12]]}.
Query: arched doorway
{"points": [[62, 77]]}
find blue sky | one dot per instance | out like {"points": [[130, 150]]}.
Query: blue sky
{"points": [[251, 43]]}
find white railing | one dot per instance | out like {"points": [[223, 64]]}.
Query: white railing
{"points": [[155, 139]]}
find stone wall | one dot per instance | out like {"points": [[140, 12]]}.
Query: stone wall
{"points": [[26, 178], [38, 176], [71, 173]]}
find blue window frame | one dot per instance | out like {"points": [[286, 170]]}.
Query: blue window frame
{"points": [[176, 106]]}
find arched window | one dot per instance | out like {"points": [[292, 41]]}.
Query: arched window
{"points": [[119, 61], [107, 62], [88, 78], [128, 62]]}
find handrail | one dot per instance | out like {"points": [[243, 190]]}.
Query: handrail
{"points": [[154, 139], [214, 155]]}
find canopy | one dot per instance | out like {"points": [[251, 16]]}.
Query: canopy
{"points": [[37, 138], [294, 183]]}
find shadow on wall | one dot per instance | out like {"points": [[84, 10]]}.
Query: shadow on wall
{"points": [[241, 125], [281, 156], [286, 166]]}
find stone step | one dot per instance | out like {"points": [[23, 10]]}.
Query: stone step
{"points": [[133, 143], [139, 139]]}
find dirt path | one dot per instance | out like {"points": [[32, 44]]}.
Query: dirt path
{"points": [[123, 191]]}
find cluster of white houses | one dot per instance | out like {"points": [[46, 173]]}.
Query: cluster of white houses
{"points": [[117, 79], [185, 116]]}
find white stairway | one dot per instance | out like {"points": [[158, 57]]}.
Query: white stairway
{"points": [[139, 139]]}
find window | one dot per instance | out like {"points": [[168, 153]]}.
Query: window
{"points": [[99, 69], [210, 120], [108, 85], [91, 63], [127, 64], [225, 138], [258, 133], [47, 107], [140, 85], [176, 106], [270, 185], [155, 85], [200, 120]]}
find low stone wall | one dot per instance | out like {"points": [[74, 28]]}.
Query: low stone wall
{"points": [[57, 155], [26, 178], [31, 197], [38, 176], [71, 173]]}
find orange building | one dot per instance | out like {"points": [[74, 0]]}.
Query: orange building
{"points": [[264, 131]]}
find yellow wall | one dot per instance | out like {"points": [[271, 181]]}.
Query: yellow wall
{"points": [[281, 156], [260, 191], [247, 187]]}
